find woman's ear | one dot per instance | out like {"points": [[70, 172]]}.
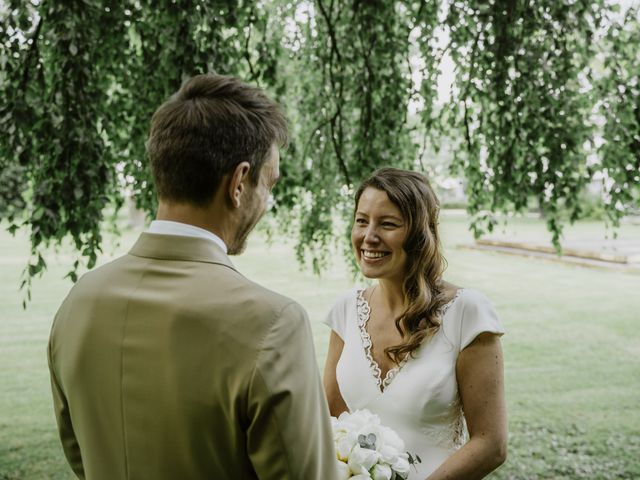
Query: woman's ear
{"points": [[237, 183]]}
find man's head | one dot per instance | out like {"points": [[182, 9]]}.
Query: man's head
{"points": [[213, 127]]}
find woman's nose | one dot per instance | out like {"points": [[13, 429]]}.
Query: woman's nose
{"points": [[371, 235]]}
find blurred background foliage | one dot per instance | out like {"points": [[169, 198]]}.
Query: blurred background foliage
{"points": [[544, 101]]}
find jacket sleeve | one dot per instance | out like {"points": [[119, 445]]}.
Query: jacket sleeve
{"points": [[65, 428], [289, 434]]}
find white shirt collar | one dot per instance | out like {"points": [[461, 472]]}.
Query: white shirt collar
{"points": [[166, 227]]}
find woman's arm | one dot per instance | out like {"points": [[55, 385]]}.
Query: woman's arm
{"points": [[336, 403], [480, 374]]}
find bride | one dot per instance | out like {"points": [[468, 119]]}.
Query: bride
{"points": [[421, 353]]}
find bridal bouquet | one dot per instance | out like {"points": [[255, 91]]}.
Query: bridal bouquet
{"points": [[367, 450]]}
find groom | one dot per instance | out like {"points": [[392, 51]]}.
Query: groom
{"points": [[169, 364]]}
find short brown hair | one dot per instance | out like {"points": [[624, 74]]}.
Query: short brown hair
{"points": [[213, 123]]}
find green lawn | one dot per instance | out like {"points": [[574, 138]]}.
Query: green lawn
{"points": [[572, 351]]}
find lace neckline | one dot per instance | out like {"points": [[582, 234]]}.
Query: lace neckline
{"points": [[364, 313]]}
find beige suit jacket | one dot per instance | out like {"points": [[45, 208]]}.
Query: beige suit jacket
{"points": [[169, 364]]}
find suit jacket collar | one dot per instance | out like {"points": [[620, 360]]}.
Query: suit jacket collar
{"points": [[178, 247]]}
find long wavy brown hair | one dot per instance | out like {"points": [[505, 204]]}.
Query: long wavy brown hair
{"points": [[422, 286]]}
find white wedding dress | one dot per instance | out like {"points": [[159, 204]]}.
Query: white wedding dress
{"points": [[419, 399]]}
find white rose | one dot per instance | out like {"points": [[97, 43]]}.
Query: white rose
{"points": [[344, 447], [362, 459], [391, 438], [361, 476], [401, 467], [381, 472], [347, 420], [343, 471], [336, 426], [388, 454], [359, 419]]}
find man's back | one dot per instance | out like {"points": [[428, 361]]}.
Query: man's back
{"points": [[167, 363]]}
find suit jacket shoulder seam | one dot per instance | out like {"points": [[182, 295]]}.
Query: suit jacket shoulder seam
{"points": [[276, 317]]}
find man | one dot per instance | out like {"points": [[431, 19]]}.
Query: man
{"points": [[169, 364]]}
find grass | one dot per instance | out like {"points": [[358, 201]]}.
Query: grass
{"points": [[572, 354]]}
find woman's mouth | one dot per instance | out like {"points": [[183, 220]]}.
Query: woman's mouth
{"points": [[373, 255]]}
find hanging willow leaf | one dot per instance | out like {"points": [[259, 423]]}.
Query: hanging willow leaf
{"points": [[537, 85]]}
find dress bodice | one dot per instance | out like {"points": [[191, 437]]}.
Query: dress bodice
{"points": [[419, 398]]}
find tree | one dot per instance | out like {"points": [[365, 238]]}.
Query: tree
{"points": [[525, 106], [619, 107], [354, 85], [521, 106], [80, 81]]}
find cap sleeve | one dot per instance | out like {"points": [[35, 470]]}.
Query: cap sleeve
{"points": [[478, 316], [336, 319]]}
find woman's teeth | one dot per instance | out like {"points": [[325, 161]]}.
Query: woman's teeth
{"points": [[373, 254]]}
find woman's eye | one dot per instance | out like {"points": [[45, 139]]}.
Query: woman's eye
{"points": [[389, 224], [361, 221]]}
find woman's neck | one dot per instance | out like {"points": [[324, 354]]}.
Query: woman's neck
{"points": [[390, 295]]}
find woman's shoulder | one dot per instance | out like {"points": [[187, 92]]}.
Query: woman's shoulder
{"points": [[346, 299], [344, 307], [465, 302], [462, 295], [349, 295], [471, 314], [471, 298]]}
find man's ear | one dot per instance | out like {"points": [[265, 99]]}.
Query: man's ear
{"points": [[237, 186]]}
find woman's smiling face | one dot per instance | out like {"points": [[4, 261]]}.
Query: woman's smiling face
{"points": [[378, 236]]}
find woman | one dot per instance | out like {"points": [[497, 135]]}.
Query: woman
{"points": [[414, 349]]}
